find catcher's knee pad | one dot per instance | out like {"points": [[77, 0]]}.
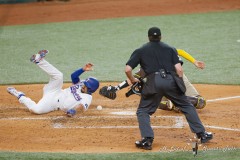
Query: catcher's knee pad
{"points": [[201, 102]]}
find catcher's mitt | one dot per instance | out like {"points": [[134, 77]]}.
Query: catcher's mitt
{"points": [[108, 91]]}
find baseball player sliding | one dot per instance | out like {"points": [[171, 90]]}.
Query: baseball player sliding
{"points": [[192, 94], [78, 96]]}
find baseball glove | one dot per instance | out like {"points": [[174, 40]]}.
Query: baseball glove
{"points": [[108, 91]]}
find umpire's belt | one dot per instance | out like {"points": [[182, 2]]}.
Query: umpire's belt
{"points": [[162, 73], [159, 72]]}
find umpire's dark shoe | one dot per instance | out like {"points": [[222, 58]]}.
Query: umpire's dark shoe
{"points": [[205, 136], [145, 143]]}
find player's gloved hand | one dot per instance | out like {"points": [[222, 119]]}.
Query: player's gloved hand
{"points": [[71, 112]]}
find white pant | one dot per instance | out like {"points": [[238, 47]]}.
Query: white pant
{"points": [[190, 89], [51, 91]]}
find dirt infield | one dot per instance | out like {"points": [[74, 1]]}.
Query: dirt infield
{"points": [[115, 128], [56, 11]]}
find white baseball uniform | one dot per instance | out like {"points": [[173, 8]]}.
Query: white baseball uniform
{"points": [[54, 97]]}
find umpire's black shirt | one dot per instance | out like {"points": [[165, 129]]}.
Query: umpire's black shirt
{"points": [[154, 56]]}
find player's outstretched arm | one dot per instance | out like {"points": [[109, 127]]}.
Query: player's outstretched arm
{"points": [[75, 75], [187, 56]]}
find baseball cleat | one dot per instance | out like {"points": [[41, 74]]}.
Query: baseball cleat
{"points": [[205, 137], [36, 58], [14, 92], [145, 143]]}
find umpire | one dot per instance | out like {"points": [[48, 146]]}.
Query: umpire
{"points": [[158, 60]]}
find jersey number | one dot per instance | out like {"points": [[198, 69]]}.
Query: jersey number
{"points": [[74, 92]]}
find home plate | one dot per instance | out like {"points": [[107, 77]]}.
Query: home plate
{"points": [[127, 113]]}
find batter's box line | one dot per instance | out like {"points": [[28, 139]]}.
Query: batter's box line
{"points": [[61, 126], [179, 123], [223, 128], [222, 99], [178, 119], [83, 117], [220, 128]]}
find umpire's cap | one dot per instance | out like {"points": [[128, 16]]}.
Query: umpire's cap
{"points": [[154, 31]]}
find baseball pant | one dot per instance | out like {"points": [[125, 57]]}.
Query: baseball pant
{"points": [[190, 89], [51, 91]]}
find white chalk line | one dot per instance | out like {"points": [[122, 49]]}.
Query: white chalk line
{"points": [[223, 128], [60, 126], [177, 125], [222, 99], [178, 119], [220, 128], [179, 122], [81, 117]]}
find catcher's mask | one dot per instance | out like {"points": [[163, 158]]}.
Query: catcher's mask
{"points": [[92, 84], [136, 88]]}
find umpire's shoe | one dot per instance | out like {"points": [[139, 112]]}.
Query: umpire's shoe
{"points": [[205, 136], [145, 143]]}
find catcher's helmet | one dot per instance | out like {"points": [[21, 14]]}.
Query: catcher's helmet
{"points": [[92, 84]]}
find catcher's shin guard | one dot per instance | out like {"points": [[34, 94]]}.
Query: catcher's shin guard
{"points": [[176, 109], [199, 102]]}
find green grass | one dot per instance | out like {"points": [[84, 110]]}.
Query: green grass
{"points": [[108, 43], [210, 37], [231, 154]]}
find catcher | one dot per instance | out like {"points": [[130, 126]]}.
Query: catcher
{"points": [[194, 97]]}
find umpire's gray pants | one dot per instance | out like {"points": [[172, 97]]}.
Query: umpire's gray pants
{"points": [[148, 105]]}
